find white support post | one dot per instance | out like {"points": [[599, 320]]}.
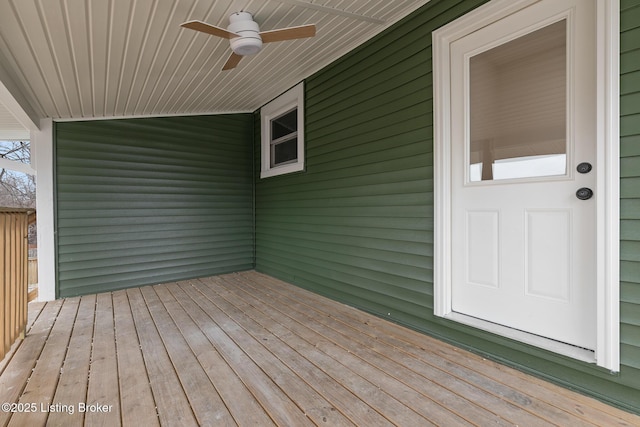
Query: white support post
{"points": [[42, 161]]}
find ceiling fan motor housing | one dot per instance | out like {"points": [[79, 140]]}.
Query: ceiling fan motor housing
{"points": [[249, 42]]}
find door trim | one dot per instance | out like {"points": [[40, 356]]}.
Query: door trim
{"points": [[607, 353]]}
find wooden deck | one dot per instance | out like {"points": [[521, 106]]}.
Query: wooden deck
{"points": [[246, 349]]}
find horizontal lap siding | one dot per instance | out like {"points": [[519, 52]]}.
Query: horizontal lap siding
{"points": [[357, 225], [146, 201], [630, 185]]}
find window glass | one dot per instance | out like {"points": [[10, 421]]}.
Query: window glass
{"points": [[517, 102], [285, 152], [284, 125]]}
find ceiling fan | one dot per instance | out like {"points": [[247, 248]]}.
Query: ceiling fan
{"points": [[245, 36]]}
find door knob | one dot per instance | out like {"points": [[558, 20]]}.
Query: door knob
{"points": [[584, 193]]}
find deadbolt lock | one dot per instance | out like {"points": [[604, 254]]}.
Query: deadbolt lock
{"points": [[584, 167]]}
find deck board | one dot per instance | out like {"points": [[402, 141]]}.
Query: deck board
{"points": [[437, 384], [263, 386], [369, 379], [296, 367], [304, 359], [103, 379], [204, 400], [436, 402], [242, 406], [136, 397], [72, 385], [40, 389], [171, 402], [20, 368], [247, 349], [508, 396]]}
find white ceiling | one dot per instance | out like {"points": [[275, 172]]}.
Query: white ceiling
{"points": [[124, 58], [10, 127]]}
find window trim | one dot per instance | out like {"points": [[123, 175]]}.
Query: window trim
{"points": [[293, 98]]}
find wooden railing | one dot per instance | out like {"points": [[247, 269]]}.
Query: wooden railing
{"points": [[14, 224]]}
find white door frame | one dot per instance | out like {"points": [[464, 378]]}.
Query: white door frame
{"points": [[607, 353]]}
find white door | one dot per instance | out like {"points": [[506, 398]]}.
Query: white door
{"points": [[523, 242]]}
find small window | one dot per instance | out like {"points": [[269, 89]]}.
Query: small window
{"points": [[283, 134], [284, 139]]}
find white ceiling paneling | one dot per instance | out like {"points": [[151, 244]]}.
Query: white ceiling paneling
{"points": [[10, 128], [78, 59]]}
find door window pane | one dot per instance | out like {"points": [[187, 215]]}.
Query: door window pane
{"points": [[518, 107]]}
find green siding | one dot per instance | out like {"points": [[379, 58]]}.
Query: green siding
{"points": [[357, 225], [144, 201], [630, 187]]}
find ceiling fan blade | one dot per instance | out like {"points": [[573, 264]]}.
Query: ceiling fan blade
{"points": [[290, 33], [232, 62], [203, 27]]}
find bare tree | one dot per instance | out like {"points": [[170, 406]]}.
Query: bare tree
{"points": [[16, 189]]}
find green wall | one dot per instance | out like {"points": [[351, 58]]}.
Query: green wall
{"points": [[145, 201], [630, 188], [357, 225]]}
